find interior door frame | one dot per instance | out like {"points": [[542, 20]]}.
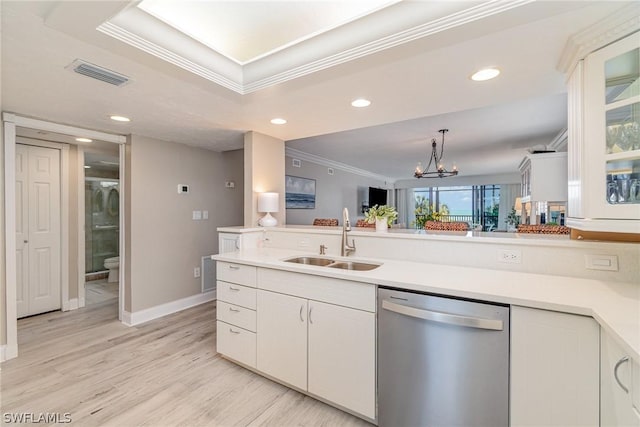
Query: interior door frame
{"points": [[10, 122]]}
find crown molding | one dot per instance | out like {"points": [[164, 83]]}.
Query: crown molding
{"points": [[301, 155], [343, 44], [606, 31], [559, 142]]}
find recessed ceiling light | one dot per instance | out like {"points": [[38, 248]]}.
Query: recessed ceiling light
{"points": [[120, 118], [87, 167], [278, 121], [84, 140], [485, 74], [361, 102]]}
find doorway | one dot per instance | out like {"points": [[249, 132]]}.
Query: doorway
{"points": [[72, 233]]}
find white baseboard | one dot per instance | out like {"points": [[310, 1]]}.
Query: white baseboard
{"points": [[8, 352], [142, 316], [72, 304], [81, 302]]}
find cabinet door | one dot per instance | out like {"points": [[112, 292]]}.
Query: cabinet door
{"points": [[282, 337], [554, 369], [342, 356], [615, 403], [612, 131], [228, 242]]}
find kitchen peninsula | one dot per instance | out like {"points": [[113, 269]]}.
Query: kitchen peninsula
{"points": [[548, 276]]}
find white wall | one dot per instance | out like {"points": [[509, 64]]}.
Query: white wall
{"points": [[264, 172], [333, 192], [164, 244]]}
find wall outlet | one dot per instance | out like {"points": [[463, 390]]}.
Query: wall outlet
{"points": [[601, 262], [304, 243], [230, 184], [197, 215], [196, 272], [183, 189], [510, 256]]}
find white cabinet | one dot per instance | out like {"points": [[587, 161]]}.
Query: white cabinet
{"points": [[282, 337], [544, 177], [326, 348], [342, 356], [604, 140], [235, 312], [554, 369], [228, 242], [618, 387]]}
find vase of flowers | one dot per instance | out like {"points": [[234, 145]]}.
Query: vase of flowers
{"points": [[383, 216]]}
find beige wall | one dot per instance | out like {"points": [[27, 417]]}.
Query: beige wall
{"points": [[333, 192], [264, 172], [164, 244]]}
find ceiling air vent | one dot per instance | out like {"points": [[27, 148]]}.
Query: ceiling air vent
{"points": [[99, 73]]}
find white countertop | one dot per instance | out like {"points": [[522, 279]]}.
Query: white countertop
{"points": [[615, 306]]}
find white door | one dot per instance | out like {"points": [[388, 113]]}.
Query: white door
{"points": [[282, 337], [37, 229], [342, 351]]}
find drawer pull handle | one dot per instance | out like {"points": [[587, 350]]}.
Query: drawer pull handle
{"points": [[234, 332], [310, 310], [615, 373], [234, 267], [301, 307], [235, 310], [231, 288]]}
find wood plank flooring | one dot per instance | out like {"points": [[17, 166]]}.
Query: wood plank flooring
{"points": [[163, 373]]}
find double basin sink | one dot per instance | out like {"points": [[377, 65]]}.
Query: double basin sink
{"points": [[327, 262]]}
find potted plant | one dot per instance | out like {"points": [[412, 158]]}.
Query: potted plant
{"points": [[383, 216], [512, 220]]}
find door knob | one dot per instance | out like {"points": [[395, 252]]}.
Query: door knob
{"points": [[26, 241]]}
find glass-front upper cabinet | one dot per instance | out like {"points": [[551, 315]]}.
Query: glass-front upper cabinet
{"points": [[611, 131], [622, 111]]}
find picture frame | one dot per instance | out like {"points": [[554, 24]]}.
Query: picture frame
{"points": [[300, 193]]}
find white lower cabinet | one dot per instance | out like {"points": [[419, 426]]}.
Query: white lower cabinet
{"points": [[617, 386], [282, 337], [236, 343], [554, 369], [342, 356], [325, 349]]}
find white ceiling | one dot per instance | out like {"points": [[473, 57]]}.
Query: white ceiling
{"points": [[416, 88]]}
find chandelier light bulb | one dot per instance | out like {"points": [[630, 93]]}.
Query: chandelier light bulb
{"points": [[419, 167]]}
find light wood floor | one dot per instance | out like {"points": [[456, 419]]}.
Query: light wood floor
{"points": [[163, 373]]}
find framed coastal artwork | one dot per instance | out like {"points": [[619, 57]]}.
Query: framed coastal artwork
{"points": [[300, 193]]}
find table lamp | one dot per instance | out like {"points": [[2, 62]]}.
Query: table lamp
{"points": [[267, 202]]}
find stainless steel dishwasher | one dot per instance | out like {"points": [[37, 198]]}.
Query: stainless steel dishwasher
{"points": [[441, 361]]}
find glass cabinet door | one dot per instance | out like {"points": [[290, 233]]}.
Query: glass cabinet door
{"points": [[622, 121]]}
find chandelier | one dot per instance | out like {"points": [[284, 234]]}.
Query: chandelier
{"points": [[436, 160]]}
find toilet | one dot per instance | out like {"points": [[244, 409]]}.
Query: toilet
{"points": [[113, 265]]}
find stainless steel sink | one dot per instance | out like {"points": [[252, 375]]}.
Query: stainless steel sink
{"points": [[353, 265], [311, 261]]}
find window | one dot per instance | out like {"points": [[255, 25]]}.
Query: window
{"points": [[478, 205]]}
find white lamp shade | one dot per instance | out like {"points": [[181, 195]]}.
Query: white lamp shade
{"points": [[268, 202]]}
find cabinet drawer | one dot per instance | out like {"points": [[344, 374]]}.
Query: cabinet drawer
{"points": [[236, 343], [236, 273], [237, 295], [236, 315], [361, 296]]}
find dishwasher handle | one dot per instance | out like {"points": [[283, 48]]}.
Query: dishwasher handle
{"points": [[450, 319]]}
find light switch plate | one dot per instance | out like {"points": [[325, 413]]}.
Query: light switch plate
{"points": [[601, 262], [205, 214], [197, 215]]}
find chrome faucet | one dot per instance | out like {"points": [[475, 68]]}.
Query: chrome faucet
{"points": [[345, 248]]}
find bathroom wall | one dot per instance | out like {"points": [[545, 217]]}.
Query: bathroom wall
{"points": [[164, 243], [333, 192]]}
